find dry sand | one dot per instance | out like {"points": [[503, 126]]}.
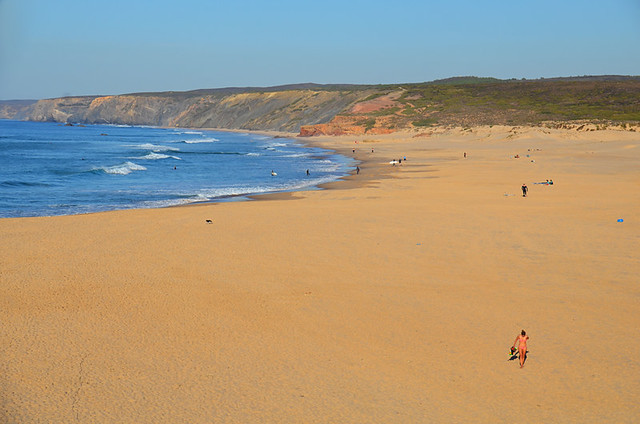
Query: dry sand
{"points": [[393, 297]]}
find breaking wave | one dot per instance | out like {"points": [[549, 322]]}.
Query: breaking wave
{"points": [[200, 140], [157, 156], [122, 169]]}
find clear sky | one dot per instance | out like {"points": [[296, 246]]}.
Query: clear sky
{"points": [[52, 48]]}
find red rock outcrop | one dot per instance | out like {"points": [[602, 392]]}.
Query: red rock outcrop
{"points": [[383, 102], [346, 125]]}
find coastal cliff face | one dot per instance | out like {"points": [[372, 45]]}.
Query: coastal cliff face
{"points": [[126, 110], [16, 109], [313, 109], [278, 110]]}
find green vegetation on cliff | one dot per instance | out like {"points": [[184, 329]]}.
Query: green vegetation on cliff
{"points": [[523, 102]]}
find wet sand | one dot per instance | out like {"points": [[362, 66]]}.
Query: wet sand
{"points": [[393, 296]]}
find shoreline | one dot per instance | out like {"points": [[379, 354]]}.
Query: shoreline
{"points": [[337, 145], [292, 139], [348, 305]]}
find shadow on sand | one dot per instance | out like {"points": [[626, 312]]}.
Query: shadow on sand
{"points": [[515, 356]]}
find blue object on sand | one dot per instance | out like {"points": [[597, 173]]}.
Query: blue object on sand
{"points": [[620, 220]]}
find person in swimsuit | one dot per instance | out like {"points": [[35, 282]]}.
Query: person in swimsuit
{"points": [[521, 339]]}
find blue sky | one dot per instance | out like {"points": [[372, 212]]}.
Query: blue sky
{"points": [[83, 47]]}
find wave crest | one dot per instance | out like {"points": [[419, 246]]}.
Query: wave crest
{"points": [[157, 148], [122, 169], [201, 140], [157, 156]]}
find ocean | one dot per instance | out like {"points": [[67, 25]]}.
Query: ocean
{"points": [[50, 169]]}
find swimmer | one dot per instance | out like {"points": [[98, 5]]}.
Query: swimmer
{"points": [[521, 339]]}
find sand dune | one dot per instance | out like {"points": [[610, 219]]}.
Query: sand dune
{"points": [[394, 296]]}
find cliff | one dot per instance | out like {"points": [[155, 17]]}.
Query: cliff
{"points": [[314, 109], [16, 109], [285, 110]]}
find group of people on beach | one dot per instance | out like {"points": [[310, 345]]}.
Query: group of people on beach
{"points": [[525, 189], [399, 161]]}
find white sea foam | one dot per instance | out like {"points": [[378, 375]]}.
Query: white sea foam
{"points": [[330, 168], [252, 154], [297, 155], [212, 194], [157, 156], [122, 169], [191, 132], [201, 140], [204, 195], [209, 194], [163, 203], [325, 165], [157, 148]]}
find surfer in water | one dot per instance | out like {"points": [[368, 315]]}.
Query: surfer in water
{"points": [[521, 340]]}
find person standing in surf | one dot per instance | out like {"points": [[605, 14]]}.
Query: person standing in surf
{"points": [[521, 340]]}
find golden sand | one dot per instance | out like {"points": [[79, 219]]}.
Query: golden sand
{"points": [[392, 297]]}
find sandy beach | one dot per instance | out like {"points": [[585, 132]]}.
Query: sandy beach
{"points": [[391, 297]]}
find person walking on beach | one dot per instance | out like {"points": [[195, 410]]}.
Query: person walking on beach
{"points": [[357, 170], [521, 340], [525, 189]]}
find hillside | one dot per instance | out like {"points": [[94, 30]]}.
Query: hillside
{"points": [[475, 102], [345, 109], [267, 110], [16, 109]]}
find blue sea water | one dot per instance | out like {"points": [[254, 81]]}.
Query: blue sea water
{"points": [[51, 169]]}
